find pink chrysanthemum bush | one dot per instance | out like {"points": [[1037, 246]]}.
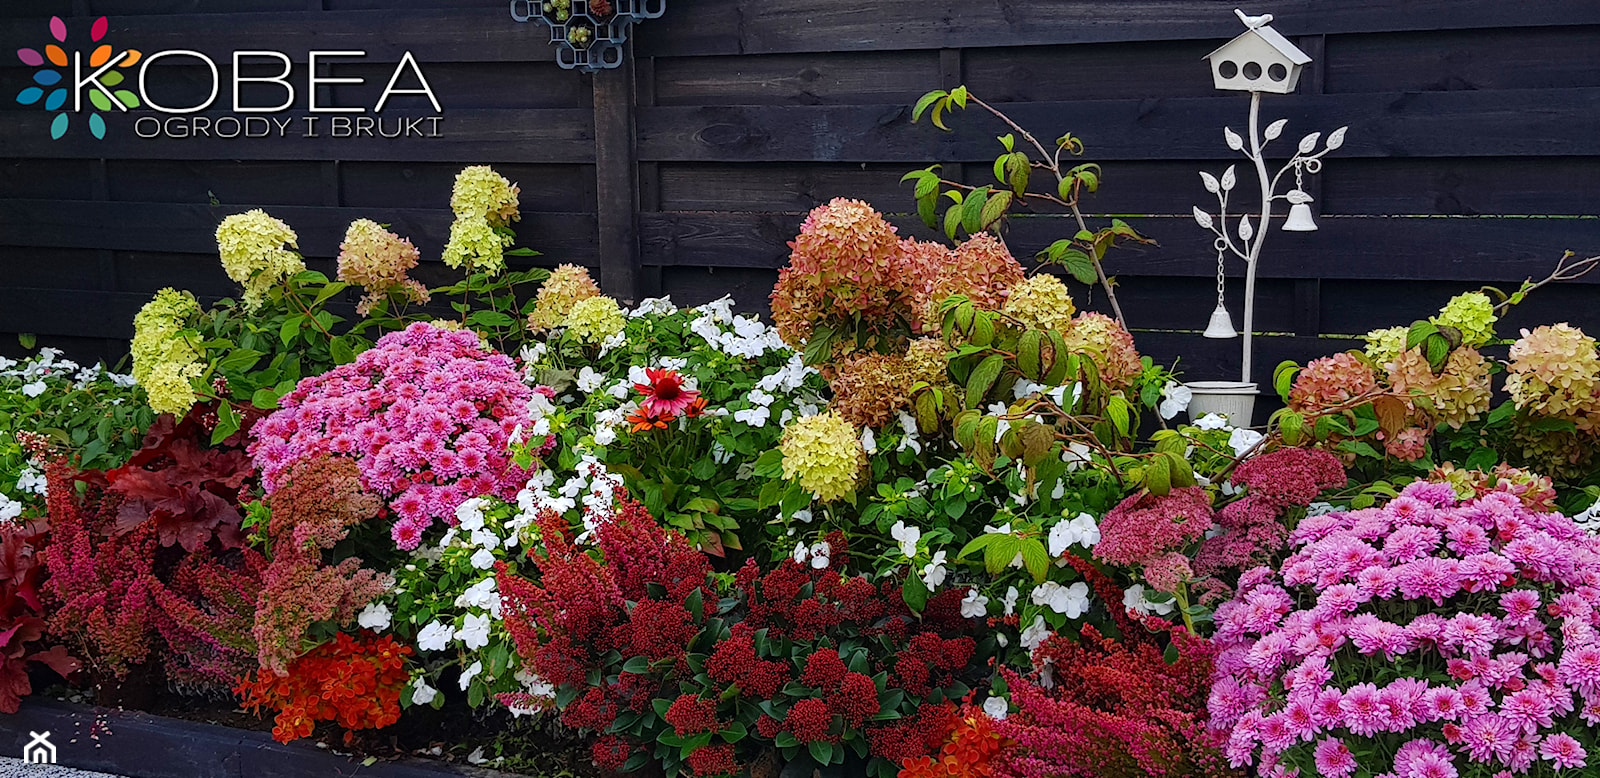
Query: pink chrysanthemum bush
{"points": [[1433, 637], [428, 415]]}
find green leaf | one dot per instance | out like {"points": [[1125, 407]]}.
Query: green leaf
{"points": [[914, 592], [952, 221], [341, 350], [1080, 266], [1283, 378], [291, 328], [636, 665], [328, 292], [821, 751], [227, 424], [1036, 559], [1010, 142], [820, 347], [925, 101], [490, 319], [983, 378], [994, 210], [972, 209], [265, 399], [239, 360], [1419, 332]]}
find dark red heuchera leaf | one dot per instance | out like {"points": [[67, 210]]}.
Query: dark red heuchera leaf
{"points": [[21, 622], [188, 488]]}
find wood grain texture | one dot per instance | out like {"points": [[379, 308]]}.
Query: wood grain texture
{"points": [[1482, 249], [180, 228], [1534, 122]]}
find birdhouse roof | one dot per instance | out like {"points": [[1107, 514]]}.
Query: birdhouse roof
{"points": [[1274, 39]]}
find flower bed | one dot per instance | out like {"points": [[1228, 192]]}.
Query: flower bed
{"points": [[933, 521]]}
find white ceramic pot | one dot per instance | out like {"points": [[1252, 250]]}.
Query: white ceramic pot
{"points": [[1235, 400]]}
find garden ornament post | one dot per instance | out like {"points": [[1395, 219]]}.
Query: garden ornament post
{"points": [[1259, 61]]}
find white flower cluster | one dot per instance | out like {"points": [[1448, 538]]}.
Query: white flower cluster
{"points": [[31, 481], [35, 372], [737, 336], [1241, 439], [10, 509], [1081, 530], [592, 485]]}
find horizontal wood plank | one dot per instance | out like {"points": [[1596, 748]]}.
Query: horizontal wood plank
{"points": [[774, 26], [1481, 249], [179, 228], [1542, 122]]}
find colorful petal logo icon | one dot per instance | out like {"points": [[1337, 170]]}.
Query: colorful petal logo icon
{"points": [[60, 73]]}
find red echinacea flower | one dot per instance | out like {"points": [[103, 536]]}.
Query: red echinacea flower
{"points": [[665, 395]]}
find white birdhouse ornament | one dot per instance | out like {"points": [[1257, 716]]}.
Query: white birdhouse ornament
{"points": [[1260, 60]]}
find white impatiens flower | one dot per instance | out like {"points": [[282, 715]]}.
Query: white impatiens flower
{"points": [[375, 617], [974, 605], [1175, 398], [474, 632], [422, 693], [436, 636], [590, 380], [1070, 601], [907, 537], [801, 552], [605, 435], [34, 389], [997, 708], [1035, 634], [908, 425], [1242, 440], [483, 559], [1133, 599], [933, 573], [803, 515], [1009, 604], [869, 441], [482, 594], [999, 410], [1079, 531], [470, 673], [1212, 421], [819, 555], [1076, 455], [31, 481], [758, 397], [756, 416], [469, 515]]}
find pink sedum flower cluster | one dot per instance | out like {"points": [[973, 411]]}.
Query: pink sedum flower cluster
{"points": [[1429, 638], [427, 414]]}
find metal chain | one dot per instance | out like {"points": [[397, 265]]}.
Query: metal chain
{"points": [[1220, 245]]}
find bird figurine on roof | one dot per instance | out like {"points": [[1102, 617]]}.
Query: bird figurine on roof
{"points": [[1252, 22]]}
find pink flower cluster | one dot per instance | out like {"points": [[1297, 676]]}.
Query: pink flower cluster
{"points": [[427, 414], [1458, 637], [1145, 526], [1253, 527]]}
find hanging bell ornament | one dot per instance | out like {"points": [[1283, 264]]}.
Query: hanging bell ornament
{"points": [[1299, 213], [1221, 326]]}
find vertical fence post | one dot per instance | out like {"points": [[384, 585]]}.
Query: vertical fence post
{"points": [[616, 171]]}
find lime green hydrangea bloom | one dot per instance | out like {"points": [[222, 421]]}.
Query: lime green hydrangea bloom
{"points": [[163, 360], [252, 246], [824, 454], [476, 246], [566, 285], [595, 319], [481, 192], [1042, 302], [1471, 313], [1384, 345]]}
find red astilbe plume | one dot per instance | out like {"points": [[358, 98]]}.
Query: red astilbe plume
{"points": [[633, 601], [354, 682], [317, 502], [101, 584], [1117, 710]]}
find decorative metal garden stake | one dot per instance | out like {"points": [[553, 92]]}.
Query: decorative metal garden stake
{"points": [[1261, 60]]}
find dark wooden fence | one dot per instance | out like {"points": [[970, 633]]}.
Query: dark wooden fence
{"points": [[1473, 154]]}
